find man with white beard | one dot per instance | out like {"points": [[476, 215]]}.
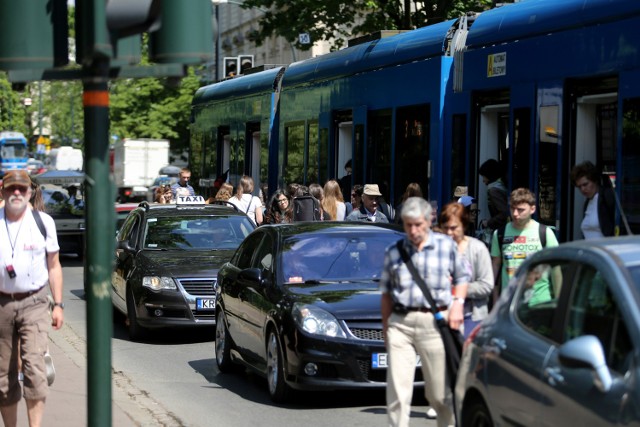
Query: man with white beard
{"points": [[29, 259]]}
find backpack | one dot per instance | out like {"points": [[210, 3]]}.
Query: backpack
{"points": [[306, 208], [542, 231]]}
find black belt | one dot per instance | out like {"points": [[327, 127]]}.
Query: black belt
{"points": [[401, 309], [17, 296]]}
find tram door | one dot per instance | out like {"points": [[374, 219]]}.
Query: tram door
{"points": [[240, 152], [493, 143], [595, 140], [629, 170]]}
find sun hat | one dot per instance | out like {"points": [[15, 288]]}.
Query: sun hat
{"points": [[371, 190]]}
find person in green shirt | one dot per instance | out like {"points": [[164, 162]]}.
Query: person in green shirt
{"points": [[521, 240]]}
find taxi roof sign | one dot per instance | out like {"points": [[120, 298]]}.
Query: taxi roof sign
{"points": [[190, 200]]}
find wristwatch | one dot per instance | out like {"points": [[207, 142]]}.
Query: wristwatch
{"points": [[459, 299], [59, 304]]}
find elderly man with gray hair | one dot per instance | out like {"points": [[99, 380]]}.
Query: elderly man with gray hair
{"points": [[368, 210], [409, 326]]}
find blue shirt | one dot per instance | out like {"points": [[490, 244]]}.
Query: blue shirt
{"points": [[438, 263]]}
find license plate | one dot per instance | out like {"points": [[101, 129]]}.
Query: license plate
{"points": [[205, 304], [379, 361]]}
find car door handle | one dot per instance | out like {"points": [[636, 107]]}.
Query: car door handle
{"points": [[554, 377], [498, 343]]}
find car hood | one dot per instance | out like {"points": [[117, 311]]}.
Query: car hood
{"points": [[185, 263], [347, 300]]}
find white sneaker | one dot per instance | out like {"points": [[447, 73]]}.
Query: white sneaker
{"points": [[51, 370], [432, 414]]}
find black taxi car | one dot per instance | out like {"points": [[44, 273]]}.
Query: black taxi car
{"points": [[299, 304], [167, 259]]}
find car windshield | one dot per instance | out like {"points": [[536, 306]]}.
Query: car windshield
{"points": [[196, 232], [58, 201], [340, 257]]}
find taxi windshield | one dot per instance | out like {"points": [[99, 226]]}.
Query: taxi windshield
{"points": [[196, 232], [316, 258]]}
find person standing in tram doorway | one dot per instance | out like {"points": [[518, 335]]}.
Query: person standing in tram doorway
{"points": [[599, 208], [497, 195]]}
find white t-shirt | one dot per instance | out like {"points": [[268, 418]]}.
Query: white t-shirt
{"points": [[247, 204], [29, 250], [341, 212], [590, 224]]}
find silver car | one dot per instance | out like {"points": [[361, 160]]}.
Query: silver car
{"points": [[562, 346]]}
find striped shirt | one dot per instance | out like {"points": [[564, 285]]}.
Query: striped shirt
{"points": [[438, 263]]}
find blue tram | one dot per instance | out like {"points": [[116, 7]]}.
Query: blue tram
{"points": [[540, 85]]}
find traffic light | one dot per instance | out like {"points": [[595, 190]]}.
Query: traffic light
{"points": [[185, 35], [246, 62], [34, 34], [230, 66]]}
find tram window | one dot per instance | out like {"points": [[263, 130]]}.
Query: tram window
{"points": [[630, 173], [606, 135], [412, 148], [314, 170], [459, 152], [293, 164], [196, 155], [378, 165], [521, 148], [209, 156]]}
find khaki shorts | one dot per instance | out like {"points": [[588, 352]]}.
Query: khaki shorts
{"points": [[28, 320]]}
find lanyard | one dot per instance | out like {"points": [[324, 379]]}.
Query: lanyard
{"points": [[15, 240]]}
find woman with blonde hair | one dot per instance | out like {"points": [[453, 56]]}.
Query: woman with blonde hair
{"points": [[333, 202], [245, 202]]}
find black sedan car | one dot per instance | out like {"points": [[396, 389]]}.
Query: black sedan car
{"points": [[299, 304], [167, 260], [562, 346]]}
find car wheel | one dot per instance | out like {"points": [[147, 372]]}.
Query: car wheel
{"points": [[136, 332], [477, 415], [278, 389], [223, 344]]}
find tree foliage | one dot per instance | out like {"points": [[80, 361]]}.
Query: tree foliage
{"points": [[338, 20]]}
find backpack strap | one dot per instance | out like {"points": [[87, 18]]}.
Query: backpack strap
{"points": [[501, 232], [39, 223], [542, 229]]}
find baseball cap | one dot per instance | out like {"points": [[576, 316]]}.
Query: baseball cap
{"points": [[16, 177], [371, 190], [466, 201]]}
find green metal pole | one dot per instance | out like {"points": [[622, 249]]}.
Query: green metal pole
{"points": [[100, 222]]}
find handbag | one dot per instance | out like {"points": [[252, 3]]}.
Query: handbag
{"points": [[452, 339]]}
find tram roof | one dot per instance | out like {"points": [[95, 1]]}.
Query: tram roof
{"points": [[243, 85], [535, 17], [407, 47]]}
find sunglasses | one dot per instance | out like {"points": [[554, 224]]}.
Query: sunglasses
{"points": [[13, 188]]}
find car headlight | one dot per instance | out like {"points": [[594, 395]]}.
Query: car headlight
{"points": [[156, 283], [316, 321]]}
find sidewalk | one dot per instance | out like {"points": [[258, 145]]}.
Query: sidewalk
{"points": [[67, 401]]}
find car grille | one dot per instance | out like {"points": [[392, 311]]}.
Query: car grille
{"points": [[367, 334], [200, 287], [370, 330]]}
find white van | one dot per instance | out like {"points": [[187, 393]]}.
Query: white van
{"points": [[65, 158]]}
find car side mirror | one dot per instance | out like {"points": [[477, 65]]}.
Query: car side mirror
{"points": [[586, 352], [124, 245], [252, 275]]}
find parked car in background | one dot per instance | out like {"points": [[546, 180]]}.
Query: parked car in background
{"points": [[166, 263], [35, 167], [562, 346], [300, 305], [68, 215]]}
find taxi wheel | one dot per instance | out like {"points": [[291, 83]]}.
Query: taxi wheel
{"points": [[476, 415], [136, 332], [278, 389], [223, 344]]}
